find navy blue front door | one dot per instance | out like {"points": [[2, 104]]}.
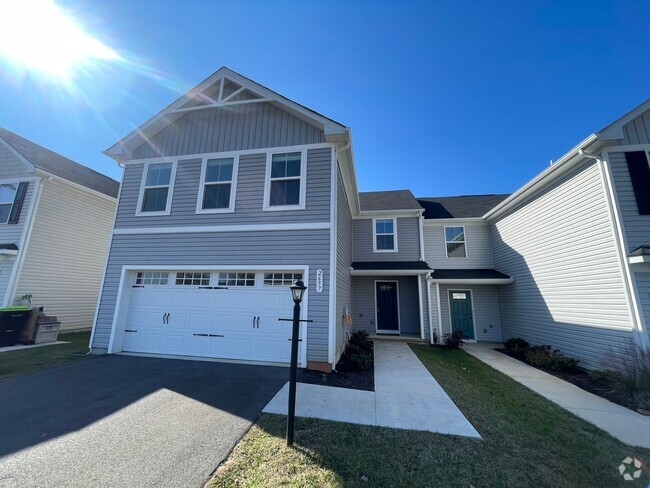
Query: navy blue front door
{"points": [[387, 308], [461, 312]]}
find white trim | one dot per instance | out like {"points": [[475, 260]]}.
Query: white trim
{"points": [[220, 228], [374, 235], [23, 245], [471, 301], [476, 281], [628, 148], [620, 240], [430, 311], [108, 253], [333, 312], [444, 236], [439, 309], [218, 104], [638, 259], [30, 167], [4, 181], [170, 188], [386, 331], [460, 222], [389, 272], [233, 186], [421, 231], [122, 302], [243, 152], [266, 206], [419, 278]]}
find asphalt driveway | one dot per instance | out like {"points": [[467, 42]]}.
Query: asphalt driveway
{"points": [[128, 421]]}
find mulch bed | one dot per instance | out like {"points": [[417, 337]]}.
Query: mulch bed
{"points": [[345, 376], [582, 379]]}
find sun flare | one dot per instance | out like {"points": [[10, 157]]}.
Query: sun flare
{"points": [[38, 36]]}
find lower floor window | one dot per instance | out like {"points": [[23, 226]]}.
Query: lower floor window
{"points": [[281, 279], [236, 279], [152, 278], [194, 279]]}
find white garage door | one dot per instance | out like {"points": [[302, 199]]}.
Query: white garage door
{"points": [[232, 315]]}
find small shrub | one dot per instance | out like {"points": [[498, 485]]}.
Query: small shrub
{"points": [[358, 353], [359, 361], [454, 340], [516, 345], [546, 357]]}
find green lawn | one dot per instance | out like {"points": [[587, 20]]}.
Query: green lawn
{"points": [[527, 441], [17, 363]]}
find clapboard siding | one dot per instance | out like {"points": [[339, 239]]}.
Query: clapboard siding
{"points": [[478, 246], [233, 128], [408, 241], [426, 303], [64, 260], [343, 262], [363, 303], [637, 227], [569, 291], [637, 131], [270, 248], [485, 303], [248, 198], [643, 289], [10, 165]]}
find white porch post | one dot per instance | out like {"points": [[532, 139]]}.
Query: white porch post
{"points": [[421, 307], [439, 311]]}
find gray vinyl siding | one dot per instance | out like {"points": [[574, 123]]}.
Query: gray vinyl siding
{"points": [[636, 226], [10, 165], [425, 307], [637, 131], [478, 246], [343, 262], [408, 241], [485, 303], [214, 249], [643, 290], [569, 291], [249, 195], [233, 128], [363, 303]]}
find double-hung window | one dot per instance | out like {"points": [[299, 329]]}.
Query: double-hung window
{"points": [[285, 186], [218, 182], [157, 187], [385, 235], [7, 197], [455, 242]]}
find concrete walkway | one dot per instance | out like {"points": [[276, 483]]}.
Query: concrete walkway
{"points": [[406, 396], [627, 426]]}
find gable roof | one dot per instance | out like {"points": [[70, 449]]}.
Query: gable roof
{"points": [[224, 88], [373, 201], [53, 163], [459, 207]]}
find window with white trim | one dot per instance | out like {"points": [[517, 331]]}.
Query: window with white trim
{"points": [[152, 278], [455, 242], [385, 235], [281, 279], [236, 278], [7, 197], [285, 186], [193, 279], [156, 188], [217, 192]]}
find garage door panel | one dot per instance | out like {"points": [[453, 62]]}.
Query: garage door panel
{"points": [[201, 300]]}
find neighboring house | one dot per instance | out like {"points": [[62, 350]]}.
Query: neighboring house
{"points": [[233, 191], [55, 226]]}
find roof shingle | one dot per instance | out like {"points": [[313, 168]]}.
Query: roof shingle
{"points": [[459, 207], [388, 200]]}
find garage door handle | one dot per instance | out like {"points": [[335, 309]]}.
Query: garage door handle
{"points": [[201, 335], [253, 321], [129, 330], [258, 322]]}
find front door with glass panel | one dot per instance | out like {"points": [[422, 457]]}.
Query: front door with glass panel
{"points": [[460, 303], [387, 307]]}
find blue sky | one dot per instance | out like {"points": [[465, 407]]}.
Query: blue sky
{"points": [[443, 98]]}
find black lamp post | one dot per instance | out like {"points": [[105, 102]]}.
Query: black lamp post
{"points": [[297, 291]]}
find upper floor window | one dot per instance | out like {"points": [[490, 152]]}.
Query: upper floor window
{"points": [[7, 197], [455, 242], [218, 181], [157, 187], [285, 181], [385, 235]]}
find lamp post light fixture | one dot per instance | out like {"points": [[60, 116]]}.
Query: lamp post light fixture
{"points": [[297, 291]]}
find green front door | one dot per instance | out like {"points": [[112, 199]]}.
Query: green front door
{"points": [[460, 302]]}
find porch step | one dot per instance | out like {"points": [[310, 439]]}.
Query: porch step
{"points": [[397, 338]]}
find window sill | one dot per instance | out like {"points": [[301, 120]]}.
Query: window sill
{"points": [[151, 214], [215, 211], [384, 250], [282, 208]]}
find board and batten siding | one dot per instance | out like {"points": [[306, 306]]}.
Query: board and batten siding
{"points": [[485, 305], [259, 248], [363, 303], [408, 241], [637, 131], [568, 289], [65, 256], [249, 196], [478, 246], [343, 263], [233, 128], [636, 226]]}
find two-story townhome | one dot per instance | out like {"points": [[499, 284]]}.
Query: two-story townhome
{"points": [[55, 223], [233, 191]]}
